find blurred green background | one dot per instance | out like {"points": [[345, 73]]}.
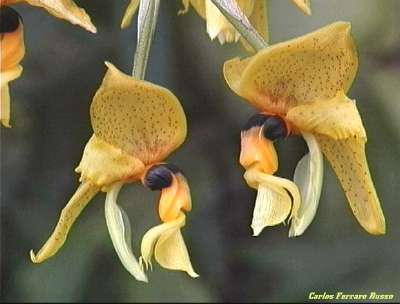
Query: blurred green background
{"points": [[63, 67]]}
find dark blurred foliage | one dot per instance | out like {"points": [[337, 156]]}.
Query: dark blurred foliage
{"points": [[63, 67]]}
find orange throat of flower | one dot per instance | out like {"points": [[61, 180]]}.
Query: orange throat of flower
{"points": [[257, 151], [12, 40]]}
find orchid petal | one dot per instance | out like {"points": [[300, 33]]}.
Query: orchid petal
{"points": [[103, 164], [219, 26], [68, 10], [308, 176], [120, 232], [166, 243], [129, 13], [69, 214], [312, 67], [348, 160], [274, 190], [337, 118], [271, 208], [140, 118]]}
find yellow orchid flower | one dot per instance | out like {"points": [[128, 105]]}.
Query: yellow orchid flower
{"points": [[136, 126], [12, 51], [63, 9], [299, 87]]}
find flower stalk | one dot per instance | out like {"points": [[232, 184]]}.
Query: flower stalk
{"points": [[238, 19], [147, 20]]}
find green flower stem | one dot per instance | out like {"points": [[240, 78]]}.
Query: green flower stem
{"points": [[235, 16], [147, 20]]}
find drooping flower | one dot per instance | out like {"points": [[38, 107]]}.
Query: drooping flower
{"points": [[136, 126], [12, 46], [299, 87], [12, 52]]}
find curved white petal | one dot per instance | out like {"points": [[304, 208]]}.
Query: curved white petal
{"points": [[308, 176], [120, 230]]}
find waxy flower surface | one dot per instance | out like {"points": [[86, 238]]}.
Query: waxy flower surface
{"points": [[299, 87], [12, 52], [136, 126]]}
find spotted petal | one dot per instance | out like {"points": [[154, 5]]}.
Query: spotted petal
{"points": [[144, 120], [338, 128], [312, 67], [348, 160], [337, 118]]}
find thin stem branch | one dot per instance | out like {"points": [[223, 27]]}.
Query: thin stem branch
{"points": [[239, 21], [147, 20]]}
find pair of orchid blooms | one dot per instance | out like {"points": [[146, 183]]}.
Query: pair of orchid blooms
{"points": [[297, 87]]}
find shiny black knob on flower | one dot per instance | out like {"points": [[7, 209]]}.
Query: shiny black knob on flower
{"points": [[274, 128], [9, 20], [160, 176]]}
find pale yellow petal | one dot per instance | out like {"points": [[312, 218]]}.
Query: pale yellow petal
{"points": [[271, 208], [337, 118], [166, 243], [312, 67], [255, 178], [69, 214], [129, 13], [219, 26], [5, 78], [120, 232], [171, 253], [348, 160], [103, 164], [68, 10], [308, 176], [144, 120], [303, 5]]}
